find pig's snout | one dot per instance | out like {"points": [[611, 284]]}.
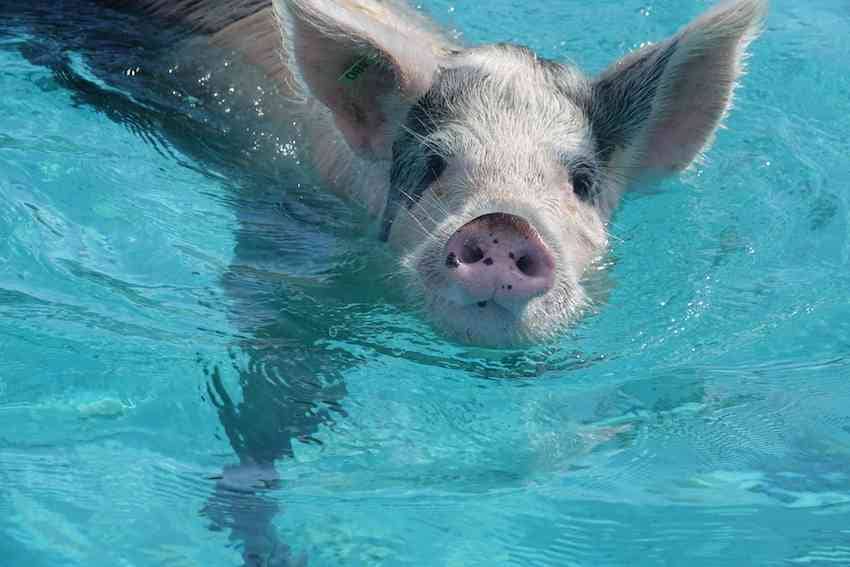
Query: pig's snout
{"points": [[499, 257]]}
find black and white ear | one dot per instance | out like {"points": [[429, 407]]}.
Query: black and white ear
{"points": [[365, 64], [659, 107]]}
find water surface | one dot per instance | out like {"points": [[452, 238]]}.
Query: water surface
{"points": [[698, 417]]}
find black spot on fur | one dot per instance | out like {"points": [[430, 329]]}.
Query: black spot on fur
{"points": [[415, 167]]}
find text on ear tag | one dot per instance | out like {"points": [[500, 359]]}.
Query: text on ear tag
{"points": [[358, 68]]}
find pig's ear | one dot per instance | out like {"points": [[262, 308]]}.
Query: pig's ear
{"points": [[364, 64], [661, 105]]}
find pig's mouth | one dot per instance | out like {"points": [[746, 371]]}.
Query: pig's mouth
{"points": [[490, 324], [485, 323]]}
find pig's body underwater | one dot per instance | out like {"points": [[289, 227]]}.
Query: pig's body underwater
{"points": [[490, 171]]}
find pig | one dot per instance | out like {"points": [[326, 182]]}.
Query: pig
{"points": [[489, 172]]}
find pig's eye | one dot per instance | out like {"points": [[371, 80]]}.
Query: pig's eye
{"points": [[583, 179], [434, 167]]}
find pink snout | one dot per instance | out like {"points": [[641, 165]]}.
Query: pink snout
{"points": [[499, 257]]}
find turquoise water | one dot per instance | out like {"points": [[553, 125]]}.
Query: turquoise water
{"points": [[699, 417]]}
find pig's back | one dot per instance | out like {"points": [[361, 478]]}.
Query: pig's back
{"points": [[208, 16], [247, 27]]}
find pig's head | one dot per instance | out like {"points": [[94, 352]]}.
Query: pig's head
{"points": [[498, 170]]}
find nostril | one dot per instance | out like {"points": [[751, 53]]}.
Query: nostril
{"points": [[471, 254], [527, 266]]}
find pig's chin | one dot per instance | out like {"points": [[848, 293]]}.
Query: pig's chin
{"points": [[493, 325]]}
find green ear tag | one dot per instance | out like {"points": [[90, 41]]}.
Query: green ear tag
{"points": [[358, 68]]}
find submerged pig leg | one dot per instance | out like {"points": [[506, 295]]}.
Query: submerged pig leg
{"points": [[282, 402], [291, 385]]}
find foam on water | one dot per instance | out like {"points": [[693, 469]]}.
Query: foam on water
{"points": [[699, 415]]}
